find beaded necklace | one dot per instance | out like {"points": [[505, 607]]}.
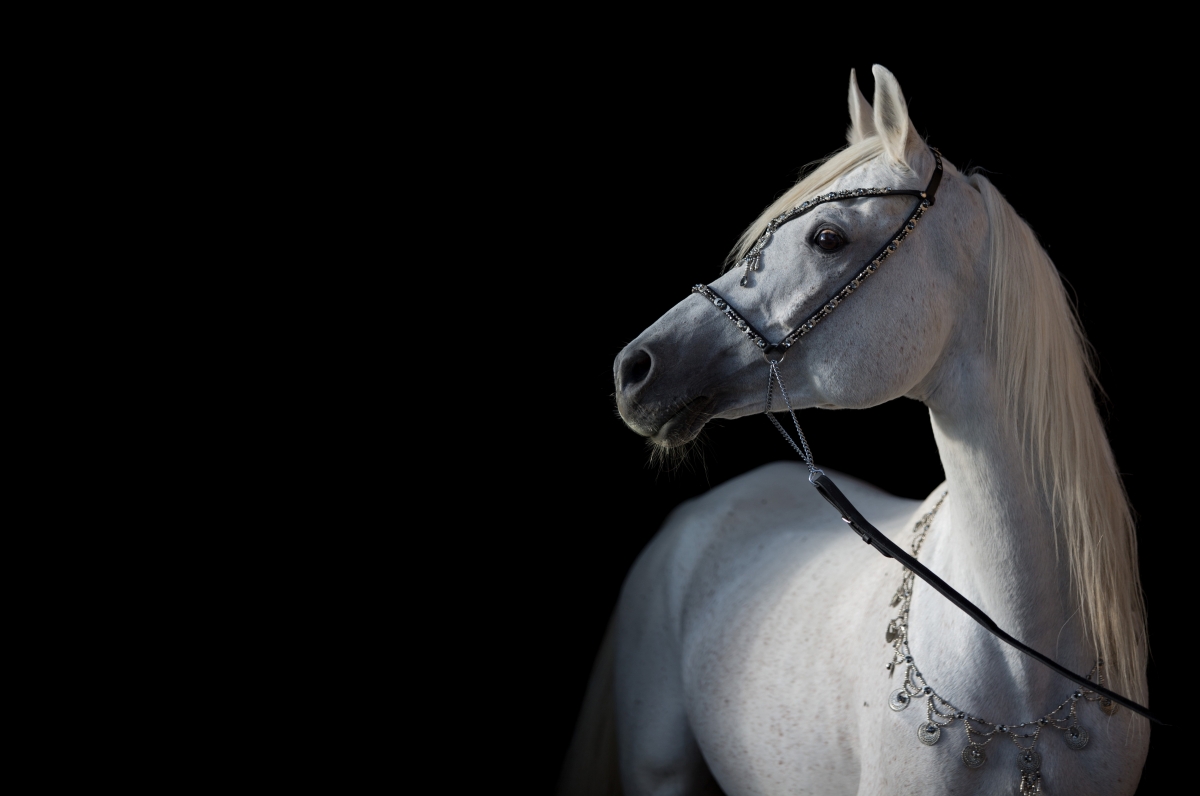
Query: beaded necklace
{"points": [[941, 713]]}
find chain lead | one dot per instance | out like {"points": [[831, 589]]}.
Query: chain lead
{"points": [[805, 454]]}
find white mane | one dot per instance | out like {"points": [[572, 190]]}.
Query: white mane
{"points": [[1048, 381]]}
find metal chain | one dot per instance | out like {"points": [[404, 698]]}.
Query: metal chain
{"points": [[805, 454]]}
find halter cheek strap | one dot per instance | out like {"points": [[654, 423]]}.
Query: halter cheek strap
{"points": [[849, 514]]}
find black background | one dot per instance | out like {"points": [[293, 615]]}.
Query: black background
{"points": [[634, 184]]}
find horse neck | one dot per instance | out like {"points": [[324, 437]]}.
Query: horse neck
{"points": [[997, 538]]}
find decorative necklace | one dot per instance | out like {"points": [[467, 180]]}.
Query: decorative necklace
{"points": [[940, 713]]}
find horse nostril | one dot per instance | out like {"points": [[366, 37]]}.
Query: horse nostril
{"points": [[635, 368]]}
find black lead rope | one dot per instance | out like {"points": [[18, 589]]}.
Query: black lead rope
{"points": [[869, 533], [873, 536]]}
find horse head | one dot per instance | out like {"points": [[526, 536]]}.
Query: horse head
{"points": [[692, 365]]}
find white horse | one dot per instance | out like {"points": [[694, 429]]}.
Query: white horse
{"points": [[747, 652]]}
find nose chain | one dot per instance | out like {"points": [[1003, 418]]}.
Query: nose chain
{"points": [[805, 454]]}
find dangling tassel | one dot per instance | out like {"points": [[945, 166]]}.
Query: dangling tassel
{"points": [[751, 264]]}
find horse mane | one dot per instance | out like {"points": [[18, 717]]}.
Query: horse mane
{"points": [[1048, 379]]}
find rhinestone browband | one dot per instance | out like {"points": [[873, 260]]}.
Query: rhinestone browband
{"points": [[751, 259]]}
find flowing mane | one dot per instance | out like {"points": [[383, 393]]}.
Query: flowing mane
{"points": [[1048, 381]]}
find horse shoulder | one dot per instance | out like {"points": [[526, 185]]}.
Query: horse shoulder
{"points": [[704, 535], [722, 536], [726, 546]]}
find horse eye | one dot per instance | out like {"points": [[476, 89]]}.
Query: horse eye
{"points": [[829, 240]]}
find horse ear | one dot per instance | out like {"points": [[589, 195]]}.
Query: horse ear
{"points": [[862, 125], [900, 138]]}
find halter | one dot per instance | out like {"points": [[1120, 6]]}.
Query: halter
{"points": [[850, 515], [752, 257]]}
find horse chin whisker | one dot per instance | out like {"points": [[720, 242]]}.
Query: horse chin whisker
{"points": [[690, 455], [630, 423]]}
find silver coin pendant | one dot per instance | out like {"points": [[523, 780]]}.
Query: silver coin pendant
{"points": [[929, 733], [899, 699], [1076, 737], [973, 756], [1028, 761]]}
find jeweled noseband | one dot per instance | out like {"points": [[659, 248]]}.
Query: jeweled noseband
{"points": [[850, 515], [750, 260]]}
